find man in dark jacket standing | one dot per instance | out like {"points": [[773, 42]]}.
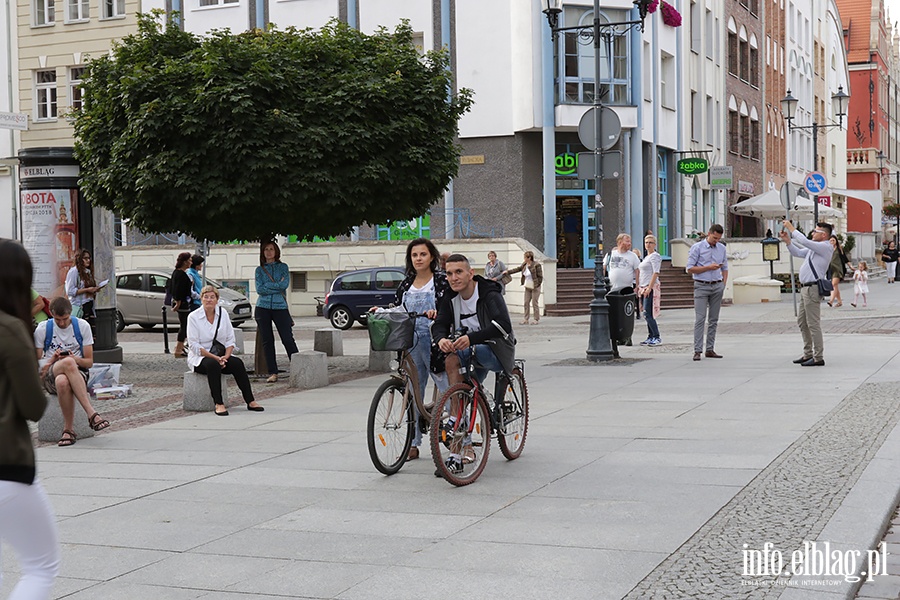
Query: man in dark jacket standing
{"points": [[477, 304]]}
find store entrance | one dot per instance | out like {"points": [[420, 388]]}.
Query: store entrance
{"points": [[574, 226]]}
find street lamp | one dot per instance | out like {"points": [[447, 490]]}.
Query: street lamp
{"points": [[839, 103], [599, 344]]}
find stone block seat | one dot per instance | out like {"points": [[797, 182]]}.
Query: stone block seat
{"points": [[50, 426], [754, 289], [329, 341], [196, 392], [308, 370]]}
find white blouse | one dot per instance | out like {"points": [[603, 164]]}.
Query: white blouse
{"points": [[200, 333]]}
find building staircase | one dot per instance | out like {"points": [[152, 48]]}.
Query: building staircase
{"points": [[574, 290]]}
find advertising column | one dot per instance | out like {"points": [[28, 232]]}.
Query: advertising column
{"points": [[55, 223]]}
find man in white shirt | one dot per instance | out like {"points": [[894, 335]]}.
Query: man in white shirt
{"points": [[65, 356], [816, 253]]}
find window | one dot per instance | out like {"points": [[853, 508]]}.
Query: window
{"points": [[709, 34], [113, 8], [695, 117], [76, 92], [45, 95], [696, 26], [576, 83], [648, 74], [745, 137], [44, 12], [667, 80], [388, 280], [216, 2], [78, 10], [129, 282], [710, 121], [355, 281], [754, 140], [734, 140], [754, 67], [744, 54], [158, 283], [298, 281], [732, 53]]}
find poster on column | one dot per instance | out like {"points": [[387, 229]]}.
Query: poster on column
{"points": [[50, 234]]}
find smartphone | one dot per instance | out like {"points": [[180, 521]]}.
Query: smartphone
{"points": [[64, 353]]}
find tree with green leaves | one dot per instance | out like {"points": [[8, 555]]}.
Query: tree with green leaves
{"points": [[241, 136]]}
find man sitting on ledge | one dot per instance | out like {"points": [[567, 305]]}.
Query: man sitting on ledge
{"points": [[65, 351]]}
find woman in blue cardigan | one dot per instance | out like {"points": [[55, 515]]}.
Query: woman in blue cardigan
{"points": [[272, 280]]}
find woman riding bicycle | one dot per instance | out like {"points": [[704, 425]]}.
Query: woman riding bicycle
{"points": [[477, 304], [424, 286]]}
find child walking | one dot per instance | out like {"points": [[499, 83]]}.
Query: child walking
{"points": [[860, 283]]}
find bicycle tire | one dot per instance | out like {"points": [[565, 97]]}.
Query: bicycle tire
{"points": [[457, 398], [513, 430], [389, 429]]}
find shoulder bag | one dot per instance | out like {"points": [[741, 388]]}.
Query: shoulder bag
{"points": [[217, 347], [825, 287]]}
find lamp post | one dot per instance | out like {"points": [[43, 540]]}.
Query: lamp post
{"points": [[599, 343], [839, 102]]}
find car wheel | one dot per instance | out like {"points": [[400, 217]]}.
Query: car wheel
{"points": [[147, 326], [120, 322], [341, 318]]}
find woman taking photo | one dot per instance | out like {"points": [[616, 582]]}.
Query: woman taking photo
{"points": [[81, 287], [180, 287], [532, 278], [27, 523], [210, 344], [272, 280], [493, 270], [420, 291]]}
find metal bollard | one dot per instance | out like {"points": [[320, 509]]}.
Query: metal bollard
{"points": [[165, 330]]}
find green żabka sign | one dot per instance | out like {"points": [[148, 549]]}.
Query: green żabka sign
{"points": [[693, 166]]}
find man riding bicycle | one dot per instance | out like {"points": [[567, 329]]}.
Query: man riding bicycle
{"points": [[477, 304]]}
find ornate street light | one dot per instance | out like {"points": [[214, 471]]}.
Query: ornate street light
{"points": [[599, 344], [839, 103]]}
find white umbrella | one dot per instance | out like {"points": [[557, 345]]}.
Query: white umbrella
{"points": [[768, 206]]}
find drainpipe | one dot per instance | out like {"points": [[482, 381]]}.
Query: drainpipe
{"points": [[634, 218], [12, 134], [449, 203], [678, 225], [548, 130], [653, 206]]}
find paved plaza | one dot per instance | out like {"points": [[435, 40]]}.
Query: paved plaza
{"points": [[648, 477]]}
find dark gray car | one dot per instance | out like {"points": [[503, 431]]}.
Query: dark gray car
{"points": [[353, 293]]}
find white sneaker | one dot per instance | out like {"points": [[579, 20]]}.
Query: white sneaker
{"points": [[647, 342], [654, 342]]}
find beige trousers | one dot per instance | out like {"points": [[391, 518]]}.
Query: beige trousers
{"points": [[808, 318], [531, 299]]}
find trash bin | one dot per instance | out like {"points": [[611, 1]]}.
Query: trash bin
{"points": [[622, 306]]}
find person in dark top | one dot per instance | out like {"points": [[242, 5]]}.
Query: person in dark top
{"points": [[181, 286], [889, 256]]}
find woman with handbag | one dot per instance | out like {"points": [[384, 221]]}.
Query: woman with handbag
{"points": [[532, 278], [211, 342], [493, 270], [272, 280], [180, 289]]}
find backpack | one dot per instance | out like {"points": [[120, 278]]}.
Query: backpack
{"points": [[168, 299], [48, 336]]}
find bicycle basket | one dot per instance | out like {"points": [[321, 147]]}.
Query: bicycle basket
{"points": [[391, 330]]}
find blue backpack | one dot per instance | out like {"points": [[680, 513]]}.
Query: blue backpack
{"points": [[48, 335]]}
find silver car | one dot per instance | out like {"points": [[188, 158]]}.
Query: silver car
{"points": [[140, 294]]}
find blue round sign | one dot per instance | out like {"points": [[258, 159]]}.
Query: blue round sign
{"points": [[815, 183]]}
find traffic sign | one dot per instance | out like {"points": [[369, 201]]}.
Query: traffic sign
{"points": [[610, 165], [815, 183], [787, 195], [610, 128]]}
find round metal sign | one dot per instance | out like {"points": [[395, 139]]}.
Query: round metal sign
{"points": [[787, 195], [610, 128]]}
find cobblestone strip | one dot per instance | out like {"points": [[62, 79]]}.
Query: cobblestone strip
{"points": [[789, 502]]}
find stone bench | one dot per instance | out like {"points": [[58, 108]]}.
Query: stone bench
{"points": [[50, 426], [238, 341], [197, 396], [380, 360], [308, 370], [329, 341], [753, 289]]}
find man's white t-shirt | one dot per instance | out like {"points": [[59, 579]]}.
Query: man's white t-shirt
{"points": [[63, 338], [621, 268], [468, 308]]}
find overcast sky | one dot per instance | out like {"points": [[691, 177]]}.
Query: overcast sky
{"points": [[893, 8]]}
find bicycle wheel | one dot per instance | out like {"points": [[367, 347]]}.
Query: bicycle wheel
{"points": [[512, 422], [460, 435], [389, 431]]}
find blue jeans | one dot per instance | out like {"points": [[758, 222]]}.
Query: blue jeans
{"points": [[652, 327], [485, 360]]}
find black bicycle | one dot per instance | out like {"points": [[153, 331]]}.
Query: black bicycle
{"points": [[467, 416]]}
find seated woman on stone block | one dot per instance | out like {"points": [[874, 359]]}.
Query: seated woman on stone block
{"points": [[211, 342]]}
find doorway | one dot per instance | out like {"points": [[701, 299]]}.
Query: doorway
{"points": [[575, 226]]}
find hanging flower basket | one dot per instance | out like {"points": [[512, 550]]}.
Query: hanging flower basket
{"points": [[670, 16], [651, 8]]}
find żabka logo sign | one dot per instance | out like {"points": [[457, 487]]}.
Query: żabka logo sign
{"points": [[566, 163]]}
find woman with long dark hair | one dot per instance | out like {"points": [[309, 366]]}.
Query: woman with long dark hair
{"points": [[81, 286], [838, 268], [272, 280], [180, 287], [26, 519]]}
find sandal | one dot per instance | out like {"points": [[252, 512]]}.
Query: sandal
{"points": [[468, 455], [97, 422], [67, 441], [272, 378]]}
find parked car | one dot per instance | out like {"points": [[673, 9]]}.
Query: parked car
{"points": [[140, 294], [353, 293]]}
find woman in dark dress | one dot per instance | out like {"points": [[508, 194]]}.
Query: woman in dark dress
{"points": [[180, 286]]}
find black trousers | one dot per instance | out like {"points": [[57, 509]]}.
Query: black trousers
{"points": [[283, 322], [182, 324], [213, 371]]}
